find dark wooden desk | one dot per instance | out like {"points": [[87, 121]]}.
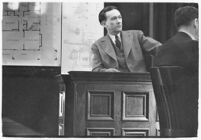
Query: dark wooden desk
{"points": [[109, 104], [30, 101]]}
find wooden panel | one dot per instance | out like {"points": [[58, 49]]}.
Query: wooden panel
{"points": [[111, 100], [100, 105], [135, 106], [139, 132], [101, 132]]}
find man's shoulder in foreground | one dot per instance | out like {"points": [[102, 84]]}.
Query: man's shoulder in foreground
{"points": [[177, 49], [180, 40]]}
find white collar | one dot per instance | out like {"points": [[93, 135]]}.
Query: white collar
{"points": [[113, 37], [189, 34]]}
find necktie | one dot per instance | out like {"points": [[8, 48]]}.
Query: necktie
{"points": [[117, 41]]}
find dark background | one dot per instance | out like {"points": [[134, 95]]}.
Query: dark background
{"points": [[136, 17]]}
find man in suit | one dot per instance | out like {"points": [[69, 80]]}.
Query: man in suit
{"points": [[120, 51], [182, 50]]}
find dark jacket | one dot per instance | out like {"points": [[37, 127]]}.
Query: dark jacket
{"points": [[180, 50]]}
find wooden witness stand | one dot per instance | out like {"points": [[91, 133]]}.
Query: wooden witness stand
{"points": [[109, 105]]}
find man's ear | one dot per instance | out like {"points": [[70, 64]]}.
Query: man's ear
{"points": [[103, 23], [195, 22]]}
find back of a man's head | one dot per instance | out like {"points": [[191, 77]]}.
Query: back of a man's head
{"points": [[102, 15], [185, 15]]}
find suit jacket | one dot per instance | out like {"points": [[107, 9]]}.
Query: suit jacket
{"points": [[182, 51], [134, 43]]}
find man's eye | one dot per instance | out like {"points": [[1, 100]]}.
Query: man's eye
{"points": [[114, 18]]}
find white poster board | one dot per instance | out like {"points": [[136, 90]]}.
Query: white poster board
{"points": [[31, 34], [80, 28]]}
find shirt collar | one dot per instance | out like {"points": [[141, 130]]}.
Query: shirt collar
{"points": [[189, 34], [113, 37]]}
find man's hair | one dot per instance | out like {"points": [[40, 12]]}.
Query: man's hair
{"points": [[184, 15], [102, 15]]}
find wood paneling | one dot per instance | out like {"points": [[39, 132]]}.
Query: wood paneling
{"points": [[135, 106], [96, 102], [30, 101], [100, 132], [100, 105], [135, 132]]}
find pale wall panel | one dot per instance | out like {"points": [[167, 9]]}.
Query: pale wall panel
{"points": [[80, 28]]}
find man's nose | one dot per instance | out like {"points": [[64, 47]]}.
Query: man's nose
{"points": [[119, 20]]}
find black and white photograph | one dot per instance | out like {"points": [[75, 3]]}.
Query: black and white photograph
{"points": [[100, 69]]}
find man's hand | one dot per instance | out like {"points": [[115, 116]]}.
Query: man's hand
{"points": [[111, 70]]}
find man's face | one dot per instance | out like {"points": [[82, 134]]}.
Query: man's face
{"points": [[113, 22]]}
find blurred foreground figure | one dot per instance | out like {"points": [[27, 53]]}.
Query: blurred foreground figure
{"points": [[182, 50]]}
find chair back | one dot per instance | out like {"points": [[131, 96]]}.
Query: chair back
{"points": [[176, 94]]}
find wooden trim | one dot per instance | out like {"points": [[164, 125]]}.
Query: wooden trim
{"points": [[110, 131], [109, 76], [136, 131], [15, 71]]}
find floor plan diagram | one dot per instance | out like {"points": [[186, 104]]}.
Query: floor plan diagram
{"points": [[24, 34]]}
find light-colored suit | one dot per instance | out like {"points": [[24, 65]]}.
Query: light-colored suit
{"points": [[133, 41]]}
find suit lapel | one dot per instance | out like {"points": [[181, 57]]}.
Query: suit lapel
{"points": [[127, 43], [106, 45]]}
